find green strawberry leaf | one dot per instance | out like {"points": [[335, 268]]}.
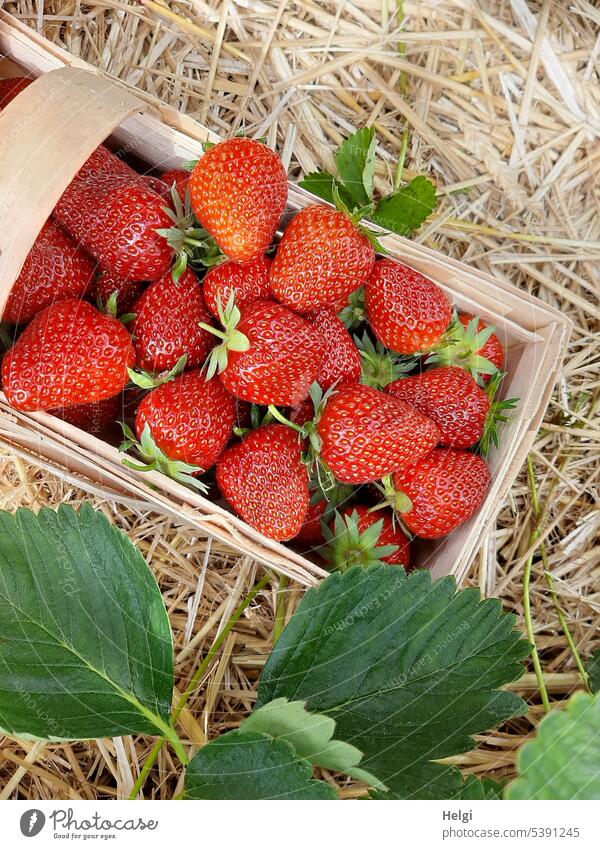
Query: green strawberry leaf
{"points": [[319, 183], [252, 765], [404, 211], [592, 667], [85, 645], [445, 782], [356, 165], [563, 761], [426, 677]]}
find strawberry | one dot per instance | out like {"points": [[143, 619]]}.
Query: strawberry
{"points": [[342, 362], [471, 344], [440, 491], [168, 324], [249, 282], [179, 178], [451, 398], [359, 537], [266, 482], [366, 434], [239, 192], [69, 354], [115, 216], [268, 355], [121, 290], [55, 269], [95, 417], [190, 419], [407, 311], [323, 257], [303, 412], [11, 87], [311, 532]]}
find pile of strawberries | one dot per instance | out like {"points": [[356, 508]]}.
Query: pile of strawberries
{"points": [[163, 303]]}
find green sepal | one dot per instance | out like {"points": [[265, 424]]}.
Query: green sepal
{"points": [[496, 414], [380, 365], [348, 546], [355, 312], [459, 346], [145, 380], [231, 338], [156, 460]]}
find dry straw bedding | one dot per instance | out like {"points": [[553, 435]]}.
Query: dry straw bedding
{"points": [[503, 102]]}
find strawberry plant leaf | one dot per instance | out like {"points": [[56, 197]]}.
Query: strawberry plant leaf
{"points": [[592, 667], [356, 165], [404, 211], [252, 765], [85, 645], [563, 761], [446, 782], [319, 183], [424, 681]]}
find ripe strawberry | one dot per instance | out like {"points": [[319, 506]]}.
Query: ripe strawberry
{"points": [[69, 354], [249, 282], [190, 419], [55, 269], [451, 398], [367, 434], [471, 344], [95, 417], [407, 311], [239, 192], [179, 178], [358, 537], [266, 482], [302, 413], [115, 216], [11, 87], [441, 491], [311, 532], [268, 355], [168, 324], [342, 362], [125, 291], [323, 257]]}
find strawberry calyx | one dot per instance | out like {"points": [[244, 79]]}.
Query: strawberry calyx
{"points": [[459, 346], [258, 418], [146, 380], [381, 366], [111, 308], [394, 498], [156, 460], [348, 546], [231, 338], [355, 311], [192, 244], [497, 414]]}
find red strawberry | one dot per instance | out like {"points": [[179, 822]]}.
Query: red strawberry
{"points": [[239, 192], [342, 362], [471, 344], [367, 434], [266, 482], [269, 355], [441, 491], [179, 178], [302, 412], [323, 257], [190, 419], [407, 311], [125, 291], [69, 354], [311, 532], [451, 398], [167, 324], [249, 282], [110, 210], [55, 270], [11, 87], [362, 538], [95, 417]]}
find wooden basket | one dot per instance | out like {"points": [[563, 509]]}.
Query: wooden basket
{"points": [[48, 132]]}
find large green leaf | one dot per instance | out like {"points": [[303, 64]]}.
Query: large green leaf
{"points": [[404, 211], [563, 761], [592, 667], [85, 644], [252, 765], [356, 164], [407, 667]]}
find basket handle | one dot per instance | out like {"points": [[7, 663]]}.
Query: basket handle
{"points": [[46, 134]]}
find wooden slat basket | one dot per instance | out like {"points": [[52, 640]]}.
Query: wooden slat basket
{"points": [[45, 136]]}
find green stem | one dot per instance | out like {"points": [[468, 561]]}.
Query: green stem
{"points": [[185, 697], [401, 159], [529, 628], [550, 578], [282, 419], [280, 611]]}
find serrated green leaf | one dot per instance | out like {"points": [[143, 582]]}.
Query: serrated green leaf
{"points": [[404, 211], [425, 678], [85, 644], [437, 781], [563, 761], [319, 183], [592, 667], [356, 165], [251, 765]]}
